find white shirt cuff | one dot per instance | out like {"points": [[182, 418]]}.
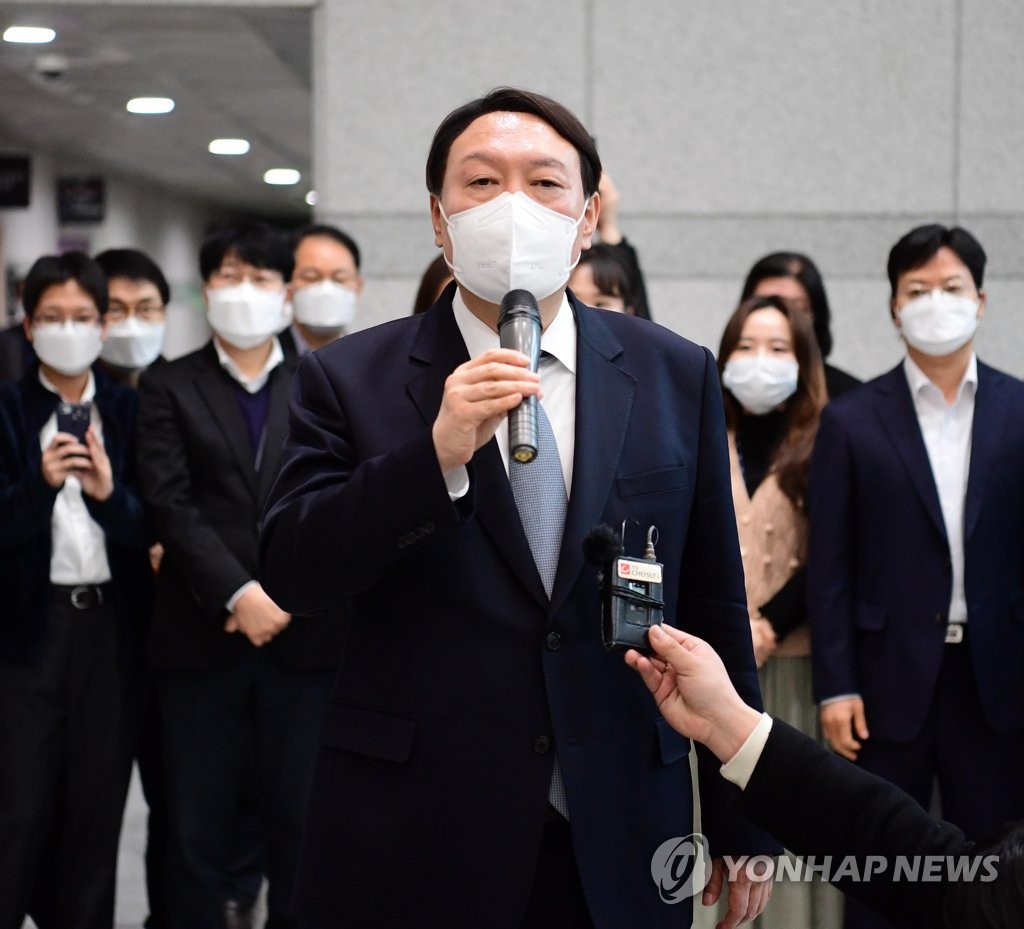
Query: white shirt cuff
{"points": [[457, 482], [233, 602], [739, 768], [839, 697]]}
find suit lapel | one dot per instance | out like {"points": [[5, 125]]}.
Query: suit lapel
{"points": [[276, 429], [437, 351], [217, 394], [899, 420], [986, 435], [604, 401]]}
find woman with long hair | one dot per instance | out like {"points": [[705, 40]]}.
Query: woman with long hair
{"points": [[773, 385]]}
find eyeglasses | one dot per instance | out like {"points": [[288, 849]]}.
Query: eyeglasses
{"points": [[50, 318], [148, 312]]}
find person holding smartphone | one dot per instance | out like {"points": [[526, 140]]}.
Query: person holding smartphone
{"points": [[73, 568]]}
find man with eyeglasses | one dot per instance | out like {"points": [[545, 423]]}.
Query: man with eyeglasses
{"points": [[242, 687], [72, 570], [137, 315], [916, 555]]}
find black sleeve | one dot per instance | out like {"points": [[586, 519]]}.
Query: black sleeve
{"points": [[820, 805], [787, 610]]}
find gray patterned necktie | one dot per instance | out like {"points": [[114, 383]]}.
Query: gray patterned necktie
{"points": [[538, 488]]}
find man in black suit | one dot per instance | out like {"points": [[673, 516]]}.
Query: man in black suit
{"points": [[487, 776], [822, 806], [75, 580], [916, 554], [239, 680]]}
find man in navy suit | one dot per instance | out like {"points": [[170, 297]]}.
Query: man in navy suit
{"points": [[503, 769], [916, 564]]}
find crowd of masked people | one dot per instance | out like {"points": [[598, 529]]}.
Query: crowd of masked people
{"points": [[879, 526]]}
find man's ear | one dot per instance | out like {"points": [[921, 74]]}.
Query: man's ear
{"points": [[590, 215], [26, 324], [436, 220], [982, 297]]}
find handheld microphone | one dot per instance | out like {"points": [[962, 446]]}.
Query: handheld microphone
{"points": [[519, 329]]}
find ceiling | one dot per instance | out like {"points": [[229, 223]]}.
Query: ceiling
{"points": [[237, 72]]}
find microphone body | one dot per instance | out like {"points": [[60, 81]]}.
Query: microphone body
{"points": [[519, 329]]}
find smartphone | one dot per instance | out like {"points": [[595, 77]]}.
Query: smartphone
{"points": [[74, 419]]}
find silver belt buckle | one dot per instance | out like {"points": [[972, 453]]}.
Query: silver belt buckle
{"points": [[954, 633], [85, 597]]}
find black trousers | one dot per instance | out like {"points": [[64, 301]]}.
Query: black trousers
{"points": [[978, 770], [65, 760], [254, 724], [557, 900]]}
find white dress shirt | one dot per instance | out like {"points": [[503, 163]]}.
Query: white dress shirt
{"points": [[255, 383], [946, 428], [558, 384], [79, 554]]}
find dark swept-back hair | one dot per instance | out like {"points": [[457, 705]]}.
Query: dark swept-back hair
{"points": [[54, 270], [805, 272], [993, 904], [328, 232], [803, 409], [513, 100], [257, 244], [611, 275], [920, 245], [134, 265]]}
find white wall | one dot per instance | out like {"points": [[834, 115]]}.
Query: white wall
{"points": [[732, 129], [168, 227]]}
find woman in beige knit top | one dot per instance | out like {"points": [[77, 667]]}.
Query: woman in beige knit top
{"points": [[774, 390]]}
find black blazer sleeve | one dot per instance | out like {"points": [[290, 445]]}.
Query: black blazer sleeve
{"points": [[818, 804], [214, 574]]}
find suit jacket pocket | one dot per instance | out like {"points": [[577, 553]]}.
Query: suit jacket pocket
{"points": [[653, 482], [368, 732], [672, 744], [870, 618]]}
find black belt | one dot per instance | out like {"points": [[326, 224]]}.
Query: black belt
{"points": [[83, 596]]}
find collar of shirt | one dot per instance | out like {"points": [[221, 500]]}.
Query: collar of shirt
{"points": [[255, 383], [301, 345], [558, 340], [88, 395], [921, 384]]}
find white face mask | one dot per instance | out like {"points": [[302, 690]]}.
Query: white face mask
{"points": [[133, 343], [68, 347], [325, 305], [760, 383], [512, 242], [938, 323], [245, 315]]}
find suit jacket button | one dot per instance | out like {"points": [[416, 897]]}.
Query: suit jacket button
{"points": [[543, 745], [553, 641], [429, 526]]}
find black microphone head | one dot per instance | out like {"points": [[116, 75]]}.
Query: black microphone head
{"points": [[518, 303], [601, 545]]}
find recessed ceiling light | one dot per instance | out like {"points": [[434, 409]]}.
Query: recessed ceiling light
{"points": [[229, 147], [284, 177], [30, 35], [150, 106], [311, 198]]}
